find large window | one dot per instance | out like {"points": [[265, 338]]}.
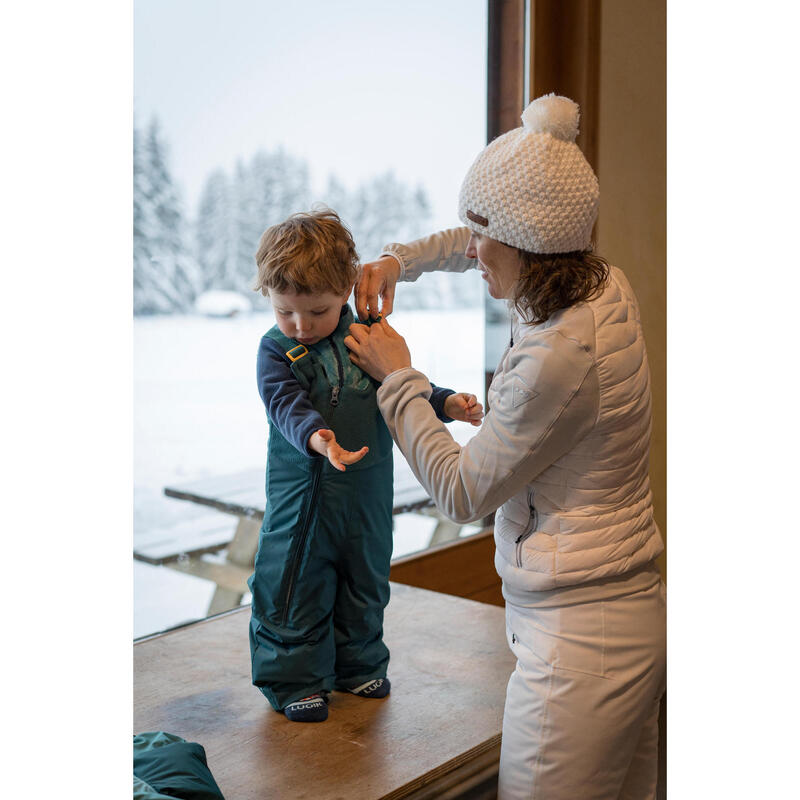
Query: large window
{"points": [[246, 111]]}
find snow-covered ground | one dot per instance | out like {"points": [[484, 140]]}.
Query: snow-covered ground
{"points": [[197, 414]]}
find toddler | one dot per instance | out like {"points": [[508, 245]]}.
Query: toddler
{"points": [[321, 579]]}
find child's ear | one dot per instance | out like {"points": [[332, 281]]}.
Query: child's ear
{"points": [[348, 292]]}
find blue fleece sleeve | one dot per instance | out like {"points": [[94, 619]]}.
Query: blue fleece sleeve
{"points": [[438, 396], [287, 403]]}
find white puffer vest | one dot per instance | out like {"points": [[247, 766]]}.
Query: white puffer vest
{"points": [[589, 515]]}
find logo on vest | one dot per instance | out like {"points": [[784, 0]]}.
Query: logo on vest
{"points": [[521, 393]]}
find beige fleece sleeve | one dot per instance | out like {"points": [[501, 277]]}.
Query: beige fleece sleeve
{"points": [[547, 402], [439, 251]]}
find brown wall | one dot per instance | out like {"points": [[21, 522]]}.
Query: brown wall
{"points": [[631, 167]]}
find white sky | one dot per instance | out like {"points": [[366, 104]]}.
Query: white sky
{"points": [[354, 87]]}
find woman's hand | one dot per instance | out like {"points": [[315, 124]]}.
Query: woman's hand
{"points": [[378, 349], [377, 278], [324, 442], [464, 407]]}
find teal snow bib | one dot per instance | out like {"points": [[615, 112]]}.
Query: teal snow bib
{"points": [[321, 577], [343, 394]]}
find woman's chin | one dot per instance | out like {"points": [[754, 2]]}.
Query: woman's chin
{"points": [[496, 293], [492, 287]]}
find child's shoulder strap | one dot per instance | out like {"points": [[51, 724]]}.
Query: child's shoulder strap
{"points": [[292, 350]]}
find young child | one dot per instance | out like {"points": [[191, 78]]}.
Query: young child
{"points": [[321, 578]]}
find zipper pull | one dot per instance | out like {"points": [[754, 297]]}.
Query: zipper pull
{"points": [[335, 396]]}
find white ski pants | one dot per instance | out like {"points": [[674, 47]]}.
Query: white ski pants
{"points": [[581, 714]]}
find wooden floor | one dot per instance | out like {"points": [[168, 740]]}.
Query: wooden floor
{"points": [[436, 735]]}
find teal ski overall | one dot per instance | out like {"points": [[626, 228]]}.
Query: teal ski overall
{"points": [[321, 579]]}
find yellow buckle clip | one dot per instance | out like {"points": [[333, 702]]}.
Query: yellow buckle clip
{"points": [[296, 358]]}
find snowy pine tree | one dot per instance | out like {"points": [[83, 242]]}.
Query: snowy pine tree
{"points": [[248, 226], [142, 225], [234, 212], [166, 277], [380, 210], [337, 197], [215, 234], [268, 189]]}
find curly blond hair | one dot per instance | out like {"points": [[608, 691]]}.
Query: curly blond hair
{"points": [[308, 253]]}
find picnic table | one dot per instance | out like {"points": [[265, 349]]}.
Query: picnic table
{"points": [[242, 495]]}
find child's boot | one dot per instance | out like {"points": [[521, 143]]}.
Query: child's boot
{"points": [[313, 708], [378, 687]]}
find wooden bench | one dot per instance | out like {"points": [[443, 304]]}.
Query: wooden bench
{"points": [[183, 547], [436, 736]]}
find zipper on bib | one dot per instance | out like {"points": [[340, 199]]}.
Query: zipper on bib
{"points": [[316, 467], [336, 389]]}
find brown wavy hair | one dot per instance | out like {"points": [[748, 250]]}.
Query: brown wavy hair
{"points": [[549, 282], [308, 253]]}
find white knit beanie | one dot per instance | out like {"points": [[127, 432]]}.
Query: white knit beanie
{"points": [[532, 188]]}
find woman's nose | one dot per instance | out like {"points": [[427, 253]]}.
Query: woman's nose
{"points": [[471, 252]]}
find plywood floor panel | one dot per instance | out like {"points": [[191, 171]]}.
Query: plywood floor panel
{"points": [[449, 668]]}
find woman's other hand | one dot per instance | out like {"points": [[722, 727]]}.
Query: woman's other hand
{"points": [[377, 279], [464, 407], [324, 442], [378, 349]]}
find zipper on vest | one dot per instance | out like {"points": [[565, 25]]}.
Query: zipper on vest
{"points": [[336, 389], [534, 518], [519, 542], [316, 467]]}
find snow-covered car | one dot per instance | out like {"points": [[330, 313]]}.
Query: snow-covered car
{"points": [[221, 303]]}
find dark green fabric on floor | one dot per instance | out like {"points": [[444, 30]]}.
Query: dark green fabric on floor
{"points": [[170, 766]]}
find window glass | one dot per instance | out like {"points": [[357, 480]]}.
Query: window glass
{"points": [[245, 112]]}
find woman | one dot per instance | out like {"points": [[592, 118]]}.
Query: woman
{"points": [[562, 457]]}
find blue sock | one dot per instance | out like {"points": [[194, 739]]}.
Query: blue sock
{"points": [[378, 687], [313, 708]]}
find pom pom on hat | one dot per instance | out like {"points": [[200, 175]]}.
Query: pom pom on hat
{"points": [[532, 187], [552, 114]]}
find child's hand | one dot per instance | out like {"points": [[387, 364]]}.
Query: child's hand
{"points": [[464, 407], [324, 442]]}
